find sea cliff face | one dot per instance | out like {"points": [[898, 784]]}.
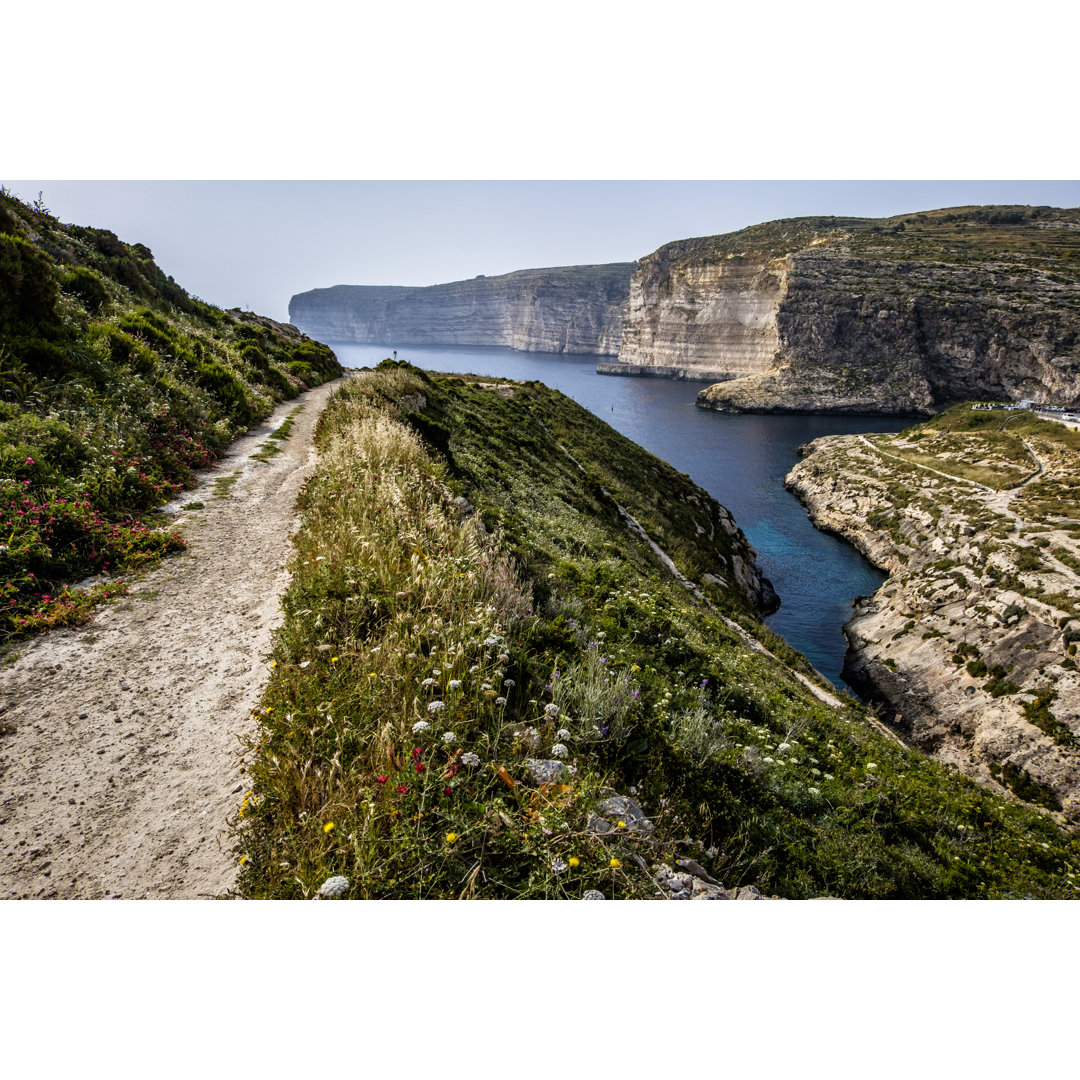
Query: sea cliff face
{"points": [[718, 320], [575, 309], [901, 315], [971, 642]]}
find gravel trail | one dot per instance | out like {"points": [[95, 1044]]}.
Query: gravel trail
{"points": [[123, 768]]}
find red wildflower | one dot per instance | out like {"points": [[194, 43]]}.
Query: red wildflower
{"points": [[420, 768], [402, 788], [448, 790], [380, 779]]}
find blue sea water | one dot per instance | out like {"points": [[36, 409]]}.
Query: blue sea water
{"points": [[740, 460]]}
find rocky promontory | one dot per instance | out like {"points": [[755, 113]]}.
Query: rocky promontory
{"points": [[897, 315], [575, 309], [970, 644]]}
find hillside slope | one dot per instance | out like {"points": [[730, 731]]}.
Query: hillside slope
{"points": [[521, 657], [116, 385]]}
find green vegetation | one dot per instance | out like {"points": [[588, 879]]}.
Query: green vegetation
{"points": [[277, 437], [478, 651], [1043, 236], [115, 385]]}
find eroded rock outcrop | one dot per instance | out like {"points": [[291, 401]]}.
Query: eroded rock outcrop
{"points": [[899, 315], [970, 643], [575, 309]]}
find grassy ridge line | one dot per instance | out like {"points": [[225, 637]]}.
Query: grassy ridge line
{"points": [[115, 385], [559, 629]]}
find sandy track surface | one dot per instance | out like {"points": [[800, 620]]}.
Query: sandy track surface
{"points": [[124, 767]]}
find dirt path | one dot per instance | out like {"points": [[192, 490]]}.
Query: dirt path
{"points": [[124, 766]]}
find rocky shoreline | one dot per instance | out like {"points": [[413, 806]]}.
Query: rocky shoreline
{"points": [[968, 646]]}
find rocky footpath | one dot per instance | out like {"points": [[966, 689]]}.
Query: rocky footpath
{"points": [[575, 309], [858, 315], [970, 643]]}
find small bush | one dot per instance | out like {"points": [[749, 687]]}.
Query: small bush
{"points": [[87, 286]]}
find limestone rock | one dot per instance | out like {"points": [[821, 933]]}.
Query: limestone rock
{"points": [[605, 820], [576, 309], [548, 772]]}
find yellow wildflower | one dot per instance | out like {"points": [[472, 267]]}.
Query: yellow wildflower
{"points": [[372, 675], [333, 659], [451, 837], [622, 824], [573, 861], [614, 864], [243, 859], [328, 827]]}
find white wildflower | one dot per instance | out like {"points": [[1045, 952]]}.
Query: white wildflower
{"points": [[428, 682], [491, 641], [551, 710], [455, 684], [559, 751], [474, 669], [814, 791], [509, 682], [767, 760], [449, 737], [420, 727], [436, 671], [558, 865], [436, 706], [503, 658], [828, 775], [784, 746], [485, 686], [410, 656], [333, 887], [470, 759], [561, 734], [500, 701]]}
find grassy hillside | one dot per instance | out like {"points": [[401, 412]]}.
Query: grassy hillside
{"points": [[114, 385], [1042, 237], [478, 652]]}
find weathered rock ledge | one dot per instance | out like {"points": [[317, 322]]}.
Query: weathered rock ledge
{"points": [[969, 644]]}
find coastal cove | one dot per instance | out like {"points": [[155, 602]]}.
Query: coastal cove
{"points": [[741, 460]]}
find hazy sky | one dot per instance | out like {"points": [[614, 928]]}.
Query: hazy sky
{"points": [[255, 243]]}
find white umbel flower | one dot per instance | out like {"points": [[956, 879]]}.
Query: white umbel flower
{"points": [[559, 751], [470, 759], [420, 727], [333, 887], [551, 710], [436, 706], [562, 733], [449, 737]]}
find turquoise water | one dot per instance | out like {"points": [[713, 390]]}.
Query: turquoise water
{"points": [[740, 460]]}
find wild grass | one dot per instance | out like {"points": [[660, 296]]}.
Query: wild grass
{"points": [[476, 653]]}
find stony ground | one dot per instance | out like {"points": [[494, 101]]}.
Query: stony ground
{"points": [[975, 574], [122, 763]]}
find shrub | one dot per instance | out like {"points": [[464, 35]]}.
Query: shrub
{"points": [[28, 289], [87, 286]]}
